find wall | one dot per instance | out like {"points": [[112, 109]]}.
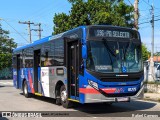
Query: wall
{"points": [[155, 88]]}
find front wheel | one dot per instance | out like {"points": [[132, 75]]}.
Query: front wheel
{"points": [[25, 90], [64, 98]]}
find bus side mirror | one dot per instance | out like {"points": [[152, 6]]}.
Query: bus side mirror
{"points": [[84, 51]]}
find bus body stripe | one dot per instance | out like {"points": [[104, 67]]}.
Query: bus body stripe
{"points": [[88, 91], [30, 81], [109, 90], [94, 91]]}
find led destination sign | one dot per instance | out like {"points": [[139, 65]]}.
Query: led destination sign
{"points": [[111, 33]]}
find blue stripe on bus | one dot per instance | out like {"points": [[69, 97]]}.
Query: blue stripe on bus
{"points": [[82, 98], [74, 97]]}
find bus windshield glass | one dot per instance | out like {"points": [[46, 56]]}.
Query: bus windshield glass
{"points": [[114, 56]]}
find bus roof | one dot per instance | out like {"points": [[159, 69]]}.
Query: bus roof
{"points": [[43, 40]]}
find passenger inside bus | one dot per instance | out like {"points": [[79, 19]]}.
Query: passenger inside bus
{"points": [[47, 61]]}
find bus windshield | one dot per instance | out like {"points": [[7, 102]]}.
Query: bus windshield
{"points": [[114, 56]]}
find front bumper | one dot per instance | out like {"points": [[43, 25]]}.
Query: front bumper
{"points": [[97, 98]]}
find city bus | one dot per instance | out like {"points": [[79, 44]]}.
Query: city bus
{"points": [[88, 64]]}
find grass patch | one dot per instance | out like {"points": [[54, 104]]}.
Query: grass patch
{"points": [[152, 82], [145, 91], [147, 97], [150, 91]]}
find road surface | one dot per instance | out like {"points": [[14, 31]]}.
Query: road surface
{"points": [[12, 99]]}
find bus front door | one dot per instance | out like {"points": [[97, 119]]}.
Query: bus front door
{"points": [[72, 57], [37, 82]]}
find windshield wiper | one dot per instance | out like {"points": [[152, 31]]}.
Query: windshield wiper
{"points": [[107, 47], [109, 50]]}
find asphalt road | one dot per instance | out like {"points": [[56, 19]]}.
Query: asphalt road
{"points": [[12, 99]]}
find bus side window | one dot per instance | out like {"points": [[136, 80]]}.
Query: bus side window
{"points": [[47, 62]]}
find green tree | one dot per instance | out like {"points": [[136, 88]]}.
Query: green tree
{"points": [[145, 52], [6, 46], [89, 12]]}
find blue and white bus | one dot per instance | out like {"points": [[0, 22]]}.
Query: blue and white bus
{"points": [[89, 64]]}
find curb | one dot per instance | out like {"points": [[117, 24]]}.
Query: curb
{"points": [[150, 99]]}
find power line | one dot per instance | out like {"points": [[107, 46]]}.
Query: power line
{"points": [[40, 10], [143, 23], [130, 2], [29, 28], [148, 22], [144, 10], [146, 2], [39, 29], [25, 34], [144, 18], [157, 20], [14, 29]]}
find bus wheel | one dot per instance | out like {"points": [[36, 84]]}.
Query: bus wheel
{"points": [[25, 90], [63, 96]]}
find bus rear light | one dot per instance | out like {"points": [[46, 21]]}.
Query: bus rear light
{"points": [[93, 84]]}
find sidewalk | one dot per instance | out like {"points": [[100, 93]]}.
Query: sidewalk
{"points": [[152, 97]]}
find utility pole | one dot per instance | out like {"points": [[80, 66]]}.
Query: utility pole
{"points": [[151, 70], [152, 22], [136, 14], [39, 29], [29, 29]]}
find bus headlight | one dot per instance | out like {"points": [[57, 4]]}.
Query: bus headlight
{"points": [[93, 84]]}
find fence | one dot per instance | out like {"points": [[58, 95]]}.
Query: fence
{"points": [[154, 88], [6, 73]]}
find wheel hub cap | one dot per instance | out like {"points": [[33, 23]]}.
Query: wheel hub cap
{"points": [[63, 95], [25, 89]]}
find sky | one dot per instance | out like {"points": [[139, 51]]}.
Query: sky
{"points": [[43, 11]]}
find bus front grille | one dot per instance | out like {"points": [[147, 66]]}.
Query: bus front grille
{"points": [[119, 79]]}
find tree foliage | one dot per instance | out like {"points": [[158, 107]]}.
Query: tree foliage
{"points": [[90, 12], [145, 52], [6, 46], [5, 61]]}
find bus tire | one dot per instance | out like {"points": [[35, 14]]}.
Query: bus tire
{"points": [[58, 101], [25, 90], [64, 98]]}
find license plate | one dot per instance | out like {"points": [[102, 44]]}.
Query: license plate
{"points": [[122, 99]]}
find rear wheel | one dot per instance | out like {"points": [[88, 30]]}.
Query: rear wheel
{"points": [[64, 98], [58, 101], [25, 90]]}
